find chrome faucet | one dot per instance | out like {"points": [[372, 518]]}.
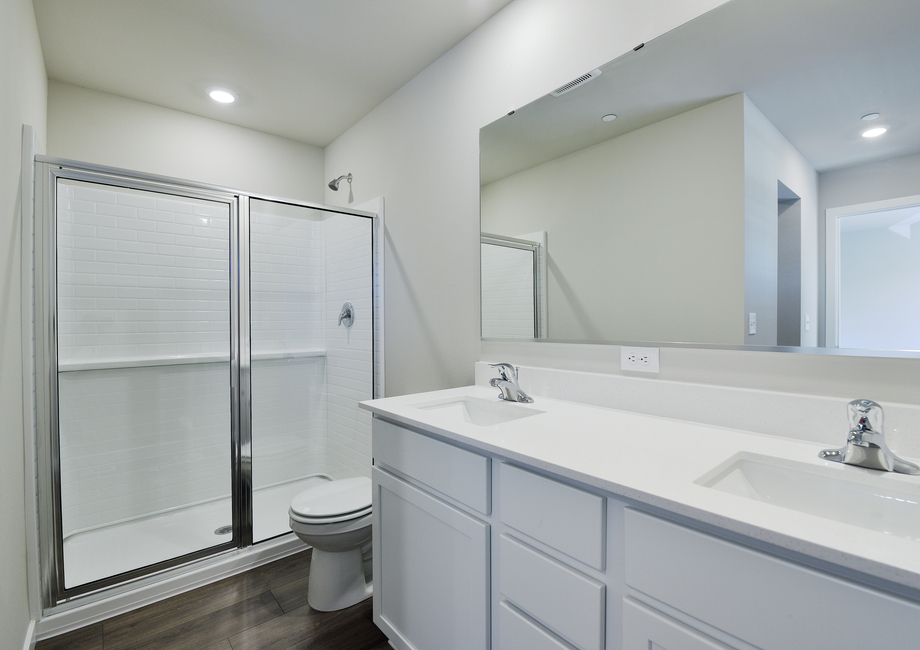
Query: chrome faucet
{"points": [[507, 381], [866, 446]]}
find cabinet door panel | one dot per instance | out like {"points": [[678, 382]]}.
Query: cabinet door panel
{"points": [[646, 629], [431, 570]]}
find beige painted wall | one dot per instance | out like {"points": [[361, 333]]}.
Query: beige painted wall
{"points": [[22, 101], [420, 149], [632, 224], [97, 127]]}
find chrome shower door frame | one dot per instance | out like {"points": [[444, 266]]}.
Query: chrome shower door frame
{"points": [[55, 598], [54, 595]]}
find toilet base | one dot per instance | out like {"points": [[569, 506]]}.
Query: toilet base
{"points": [[337, 580]]}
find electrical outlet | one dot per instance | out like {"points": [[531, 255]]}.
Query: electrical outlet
{"points": [[752, 323], [639, 359]]}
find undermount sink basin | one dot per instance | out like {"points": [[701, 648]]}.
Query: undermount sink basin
{"points": [[478, 411], [865, 498]]}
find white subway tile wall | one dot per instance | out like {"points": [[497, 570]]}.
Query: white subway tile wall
{"points": [[140, 273], [349, 350], [289, 394], [286, 277], [507, 292], [142, 276], [288, 419], [135, 441]]}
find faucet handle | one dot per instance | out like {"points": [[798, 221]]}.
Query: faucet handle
{"points": [[866, 416], [506, 370]]}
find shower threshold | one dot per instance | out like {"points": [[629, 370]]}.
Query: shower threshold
{"points": [[110, 550]]}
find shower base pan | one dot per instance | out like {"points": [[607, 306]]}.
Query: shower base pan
{"points": [[110, 550]]}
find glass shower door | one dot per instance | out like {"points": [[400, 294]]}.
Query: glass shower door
{"points": [[308, 369], [144, 367]]}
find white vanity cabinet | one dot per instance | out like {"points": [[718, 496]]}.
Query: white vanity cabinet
{"points": [[747, 598], [430, 551], [645, 628], [475, 552]]}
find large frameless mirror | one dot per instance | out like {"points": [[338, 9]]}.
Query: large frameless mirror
{"points": [[684, 187]]}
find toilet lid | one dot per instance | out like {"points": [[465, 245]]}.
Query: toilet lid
{"points": [[333, 498]]}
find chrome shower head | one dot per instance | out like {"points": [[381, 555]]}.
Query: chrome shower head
{"points": [[334, 184]]}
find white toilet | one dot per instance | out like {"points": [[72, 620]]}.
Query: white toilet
{"points": [[335, 519]]}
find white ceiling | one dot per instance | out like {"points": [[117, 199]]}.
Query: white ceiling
{"points": [[303, 69], [813, 67]]}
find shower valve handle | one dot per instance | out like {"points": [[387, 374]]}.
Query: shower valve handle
{"points": [[347, 316]]}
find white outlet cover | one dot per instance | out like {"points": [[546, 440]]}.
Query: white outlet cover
{"points": [[639, 359]]}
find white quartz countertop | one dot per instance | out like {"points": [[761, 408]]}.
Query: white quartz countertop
{"points": [[656, 461]]}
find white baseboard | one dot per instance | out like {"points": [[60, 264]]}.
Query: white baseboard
{"points": [[29, 643]]}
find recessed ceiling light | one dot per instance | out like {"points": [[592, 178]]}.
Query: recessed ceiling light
{"points": [[610, 117], [221, 95], [874, 133], [868, 117]]}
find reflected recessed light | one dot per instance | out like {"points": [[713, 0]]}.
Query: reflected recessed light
{"points": [[221, 95], [874, 133], [610, 117], [868, 117]]}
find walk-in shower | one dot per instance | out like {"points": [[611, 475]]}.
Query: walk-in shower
{"points": [[192, 374]]}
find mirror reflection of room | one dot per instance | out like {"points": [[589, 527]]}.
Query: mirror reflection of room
{"points": [[683, 192]]}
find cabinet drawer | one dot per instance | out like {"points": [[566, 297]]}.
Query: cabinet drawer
{"points": [[559, 597], [516, 632], [644, 628], [454, 472], [771, 603], [561, 516]]}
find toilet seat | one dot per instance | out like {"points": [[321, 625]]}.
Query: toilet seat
{"points": [[329, 520], [333, 501]]}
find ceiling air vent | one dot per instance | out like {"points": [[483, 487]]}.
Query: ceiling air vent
{"points": [[575, 83]]}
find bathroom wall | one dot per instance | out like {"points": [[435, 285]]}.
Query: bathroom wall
{"points": [[631, 223], [420, 149], [349, 362], [768, 158], [22, 101], [140, 274], [151, 284], [289, 326], [143, 278], [105, 129]]}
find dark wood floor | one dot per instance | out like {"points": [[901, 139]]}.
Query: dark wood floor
{"points": [[263, 609]]}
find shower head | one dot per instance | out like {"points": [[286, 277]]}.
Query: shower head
{"points": [[334, 184]]}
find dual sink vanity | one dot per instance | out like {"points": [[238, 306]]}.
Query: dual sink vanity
{"points": [[557, 525]]}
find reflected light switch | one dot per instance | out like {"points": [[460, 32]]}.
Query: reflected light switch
{"points": [[752, 323], [807, 322]]}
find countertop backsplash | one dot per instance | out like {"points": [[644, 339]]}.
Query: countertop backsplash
{"points": [[814, 418]]}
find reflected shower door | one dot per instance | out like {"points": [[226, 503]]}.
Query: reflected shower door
{"points": [[509, 288], [143, 359], [308, 370]]}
